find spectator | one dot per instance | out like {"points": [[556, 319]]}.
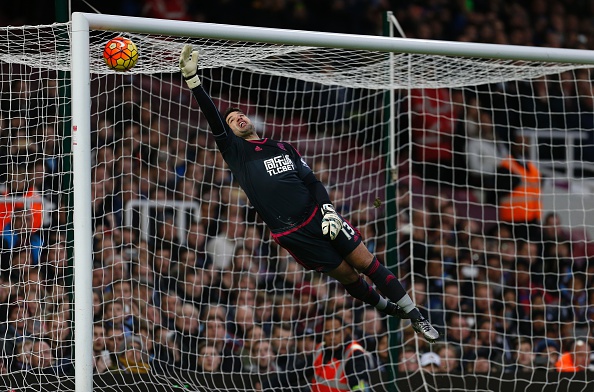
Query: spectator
{"points": [[308, 313], [166, 233], [104, 249], [263, 364], [285, 309], [162, 264], [209, 359], [187, 190], [54, 259], [433, 131], [450, 359], [452, 302], [430, 362], [133, 359], [142, 293], [101, 364], [210, 213], [264, 311], [517, 193], [194, 285], [459, 333], [187, 257], [196, 240], [288, 274], [244, 261], [408, 362], [547, 354], [100, 352], [60, 338], [169, 303], [299, 361], [282, 341], [141, 269], [42, 358], [242, 321], [338, 347], [577, 359], [574, 305], [57, 299], [20, 185], [20, 235], [20, 322], [524, 357], [114, 338], [166, 352], [221, 248], [372, 328], [215, 333], [254, 242], [252, 335], [122, 290], [484, 152], [187, 327], [489, 340], [262, 358], [116, 314], [480, 365], [23, 353]]}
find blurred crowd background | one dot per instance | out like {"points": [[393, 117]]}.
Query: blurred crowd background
{"points": [[220, 295]]}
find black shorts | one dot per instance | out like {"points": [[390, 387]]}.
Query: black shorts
{"points": [[312, 249]]}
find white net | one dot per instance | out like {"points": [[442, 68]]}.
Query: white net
{"points": [[190, 290]]}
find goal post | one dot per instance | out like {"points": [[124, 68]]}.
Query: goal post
{"points": [[82, 213], [172, 267]]}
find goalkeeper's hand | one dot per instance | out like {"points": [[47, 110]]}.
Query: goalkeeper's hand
{"points": [[188, 64], [331, 222]]}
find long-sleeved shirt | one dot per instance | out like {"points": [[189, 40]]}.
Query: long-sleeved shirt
{"points": [[277, 181]]}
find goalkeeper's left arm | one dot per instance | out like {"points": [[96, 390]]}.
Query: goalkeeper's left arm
{"points": [[188, 64]]}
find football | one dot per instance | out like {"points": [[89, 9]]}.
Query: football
{"points": [[120, 54]]}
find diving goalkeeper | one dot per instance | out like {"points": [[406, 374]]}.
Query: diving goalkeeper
{"points": [[297, 209]]}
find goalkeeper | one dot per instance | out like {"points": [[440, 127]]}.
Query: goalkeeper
{"points": [[297, 209]]}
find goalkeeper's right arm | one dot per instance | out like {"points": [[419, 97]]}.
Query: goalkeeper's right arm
{"points": [[188, 64]]}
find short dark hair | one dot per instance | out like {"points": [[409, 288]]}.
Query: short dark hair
{"points": [[231, 110]]}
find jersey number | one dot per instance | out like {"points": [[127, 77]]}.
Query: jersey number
{"points": [[347, 230]]}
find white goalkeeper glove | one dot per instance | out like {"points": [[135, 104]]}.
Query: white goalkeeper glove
{"points": [[331, 222], [188, 64]]}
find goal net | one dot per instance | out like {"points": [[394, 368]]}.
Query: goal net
{"points": [[188, 289]]}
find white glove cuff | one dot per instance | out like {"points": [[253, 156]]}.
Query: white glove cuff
{"points": [[193, 82], [326, 208]]}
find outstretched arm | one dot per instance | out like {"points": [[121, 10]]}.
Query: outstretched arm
{"points": [[188, 63]]}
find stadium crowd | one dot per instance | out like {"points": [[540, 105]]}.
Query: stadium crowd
{"points": [[552, 23], [219, 295]]}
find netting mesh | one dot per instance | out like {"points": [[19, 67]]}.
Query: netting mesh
{"points": [[188, 286]]}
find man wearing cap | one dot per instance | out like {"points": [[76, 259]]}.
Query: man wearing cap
{"points": [[430, 362]]}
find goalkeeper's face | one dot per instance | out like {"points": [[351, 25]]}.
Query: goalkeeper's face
{"points": [[241, 125]]}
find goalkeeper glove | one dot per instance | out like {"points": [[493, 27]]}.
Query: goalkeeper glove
{"points": [[188, 63], [331, 222]]}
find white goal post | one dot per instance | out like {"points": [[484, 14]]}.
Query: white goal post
{"points": [[554, 61]]}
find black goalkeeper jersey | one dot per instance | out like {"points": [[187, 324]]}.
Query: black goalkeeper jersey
{"points": [[270, 172]]}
